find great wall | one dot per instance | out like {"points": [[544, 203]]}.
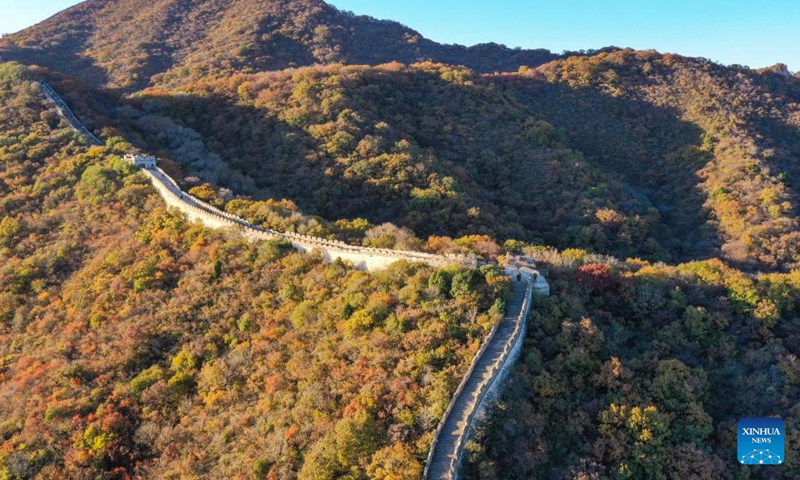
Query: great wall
{"points": [[480, 386], [489, 367], [362, 258]]}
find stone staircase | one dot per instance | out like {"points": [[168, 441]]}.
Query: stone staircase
{"points": [[489, 367]]}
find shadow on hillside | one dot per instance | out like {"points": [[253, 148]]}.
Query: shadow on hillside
{"points": [[641, 148], [648, 148], [774, 129], [784, 139], [286, 162], [279, 158], [65, 58], [93, 107]]}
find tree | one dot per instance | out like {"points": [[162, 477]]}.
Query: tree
{"points": [[9, 228], [321, 462], [633, 440], [395, 462], [596, 277], [464, 283], [356, 439], [146, 378], [441, 280]]}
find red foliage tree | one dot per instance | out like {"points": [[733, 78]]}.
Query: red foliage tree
{"points": [[595, 276]]}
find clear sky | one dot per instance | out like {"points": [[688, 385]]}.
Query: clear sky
{"points": [[747, 32]]}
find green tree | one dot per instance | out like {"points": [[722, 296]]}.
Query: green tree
{"points": [[395, 462]]}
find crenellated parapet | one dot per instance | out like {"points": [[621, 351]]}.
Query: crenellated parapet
{"points": [[490, 365], [363, 258]]}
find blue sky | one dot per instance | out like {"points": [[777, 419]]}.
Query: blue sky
{"points": [[745, 32]]}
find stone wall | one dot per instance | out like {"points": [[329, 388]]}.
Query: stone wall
{"points": [[363, 258], [495, 384], [495, 387], [67, 114]]}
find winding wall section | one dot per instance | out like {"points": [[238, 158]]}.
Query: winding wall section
{"points": [[65, 112], [363, 258], [490, 365], [479, 386]]}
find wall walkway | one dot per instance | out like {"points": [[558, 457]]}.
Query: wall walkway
{"points": [[363, 258], [489, 366], [65, 112], [484, 377]]}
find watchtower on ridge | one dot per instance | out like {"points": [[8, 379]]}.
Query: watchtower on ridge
{"points": [[524, 268], [144, 161]]}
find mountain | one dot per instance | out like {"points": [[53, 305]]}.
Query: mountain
{"points": [[679, 158], [671, 158], [433, 148], [128, 44], [136, 344], [714, 148], [660, 191]]}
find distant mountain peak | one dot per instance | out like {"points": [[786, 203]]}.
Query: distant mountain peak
{"points": [[779, 69], [130, 44]]}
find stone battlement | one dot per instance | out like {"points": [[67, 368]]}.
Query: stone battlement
{"points": [[144, 161], [363, 258]]}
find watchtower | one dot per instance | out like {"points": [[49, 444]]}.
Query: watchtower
{"points": [[524, 268], [145, 161]]}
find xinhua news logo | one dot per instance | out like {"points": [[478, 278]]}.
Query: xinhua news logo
{"points": [[761, 441]]}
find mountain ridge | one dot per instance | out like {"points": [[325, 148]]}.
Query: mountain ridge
{"points": [[659, 191], [222, 80], [130, 44]]}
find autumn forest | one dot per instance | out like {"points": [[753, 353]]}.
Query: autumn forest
{"points": [[659, 191]]}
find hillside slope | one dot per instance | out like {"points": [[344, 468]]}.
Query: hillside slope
{"points": [[129, 43], [133, 343], [634, 370], [623, 152], [670, 158], [430, 147], [714, 148]]}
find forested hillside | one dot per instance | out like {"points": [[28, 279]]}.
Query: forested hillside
{"points": [[634, 154], [134, 343], [433, 148], [660, 190], [714, 148], [670, 159], [128, 43], [634, 370]]}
